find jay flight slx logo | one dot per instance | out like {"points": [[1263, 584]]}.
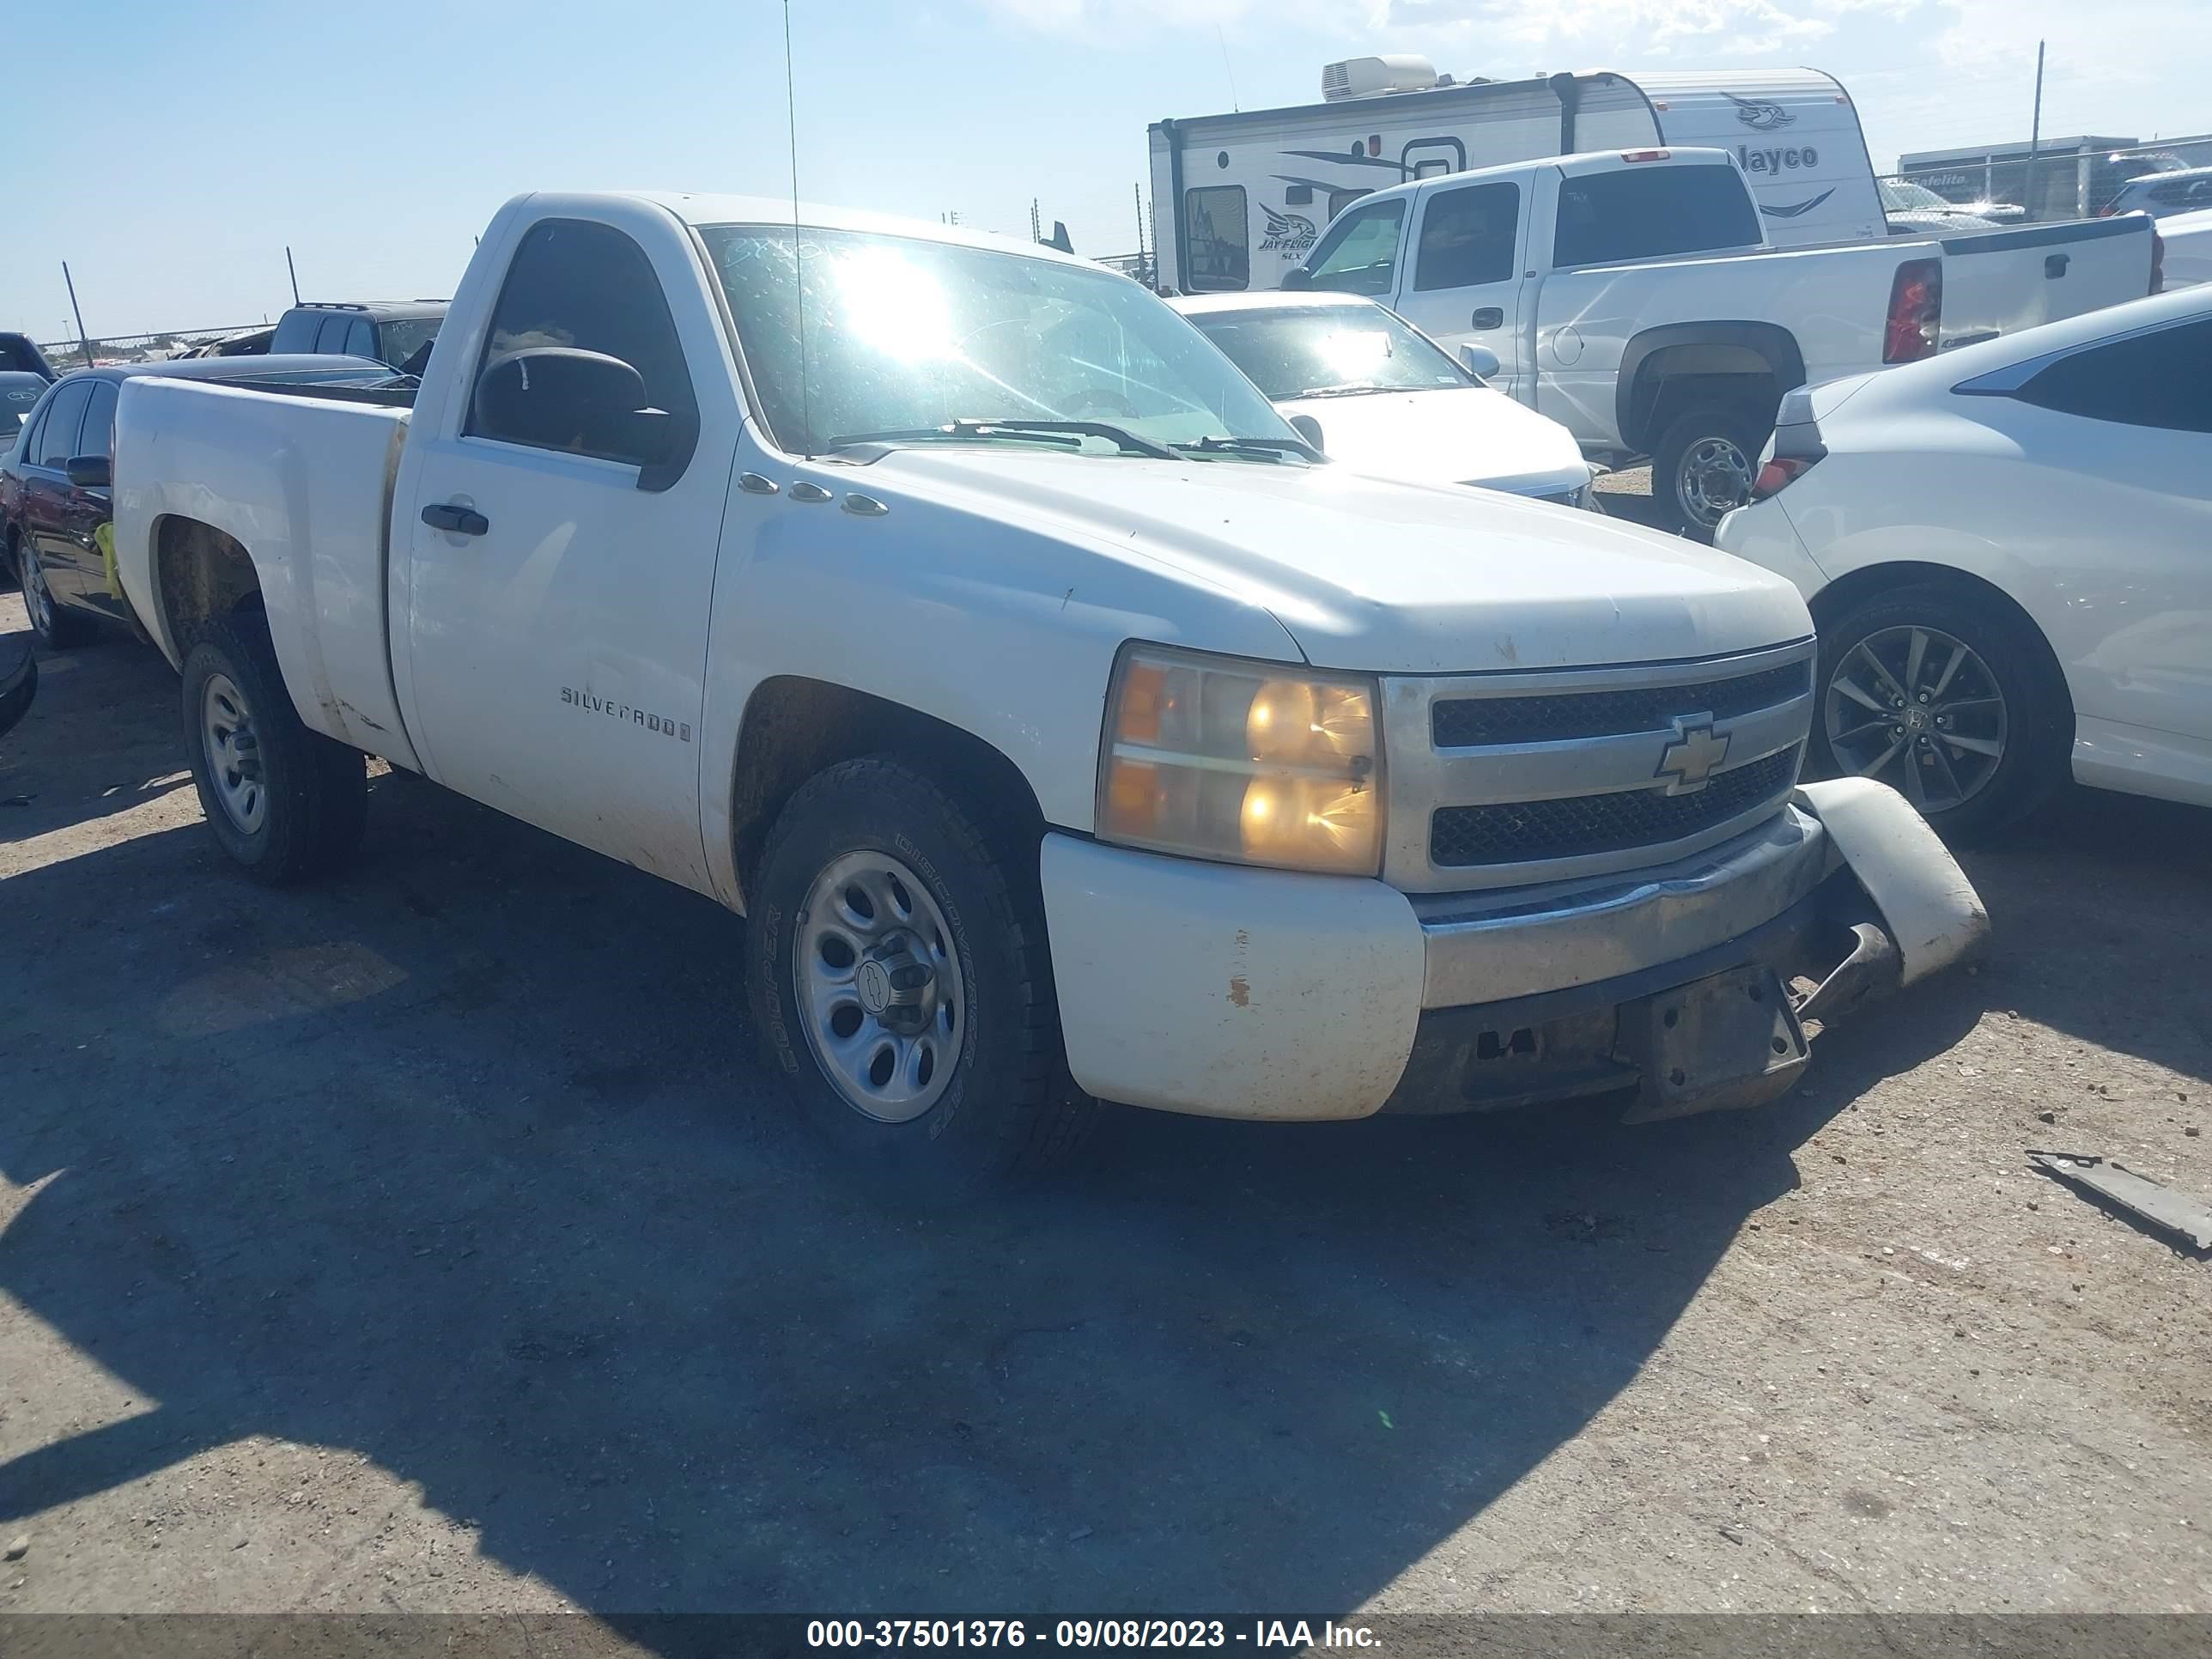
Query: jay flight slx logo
{"points": [[1290, 234]]}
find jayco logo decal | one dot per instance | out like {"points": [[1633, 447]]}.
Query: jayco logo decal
{"points": [[1759, 115], [1789, 159], [1290, 234]]}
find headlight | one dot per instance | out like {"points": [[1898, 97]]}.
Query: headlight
{"points": [[1257, 762]]}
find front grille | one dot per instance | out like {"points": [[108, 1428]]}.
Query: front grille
{"points": [[1583, 826], [1472, 722]]}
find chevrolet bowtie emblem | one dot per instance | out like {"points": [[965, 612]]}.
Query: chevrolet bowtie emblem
{"points": [[1689, 762]]}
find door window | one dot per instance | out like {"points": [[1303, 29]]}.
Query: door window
{"points": [[1217, 233], [97, 435], [1359, 255], [586, 285], [331, 338], [1468, 237], [295, 331], [57, 436], [1644, 212], [2161, 378], [360, 338]]}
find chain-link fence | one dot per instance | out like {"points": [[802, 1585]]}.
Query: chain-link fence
{"points": [[2068, 178], [66, 354]]}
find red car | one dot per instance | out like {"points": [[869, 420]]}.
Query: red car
{"points": [[54, 482]]}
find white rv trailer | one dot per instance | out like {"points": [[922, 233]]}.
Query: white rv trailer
{"points": [[1255, 190]]}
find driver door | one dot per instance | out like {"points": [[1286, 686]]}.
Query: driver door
{"points": [[555, 632], [1465, 280]]}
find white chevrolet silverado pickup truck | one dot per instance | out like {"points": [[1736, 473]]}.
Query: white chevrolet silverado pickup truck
{"points": [[1634, 297], [1064, 729]]}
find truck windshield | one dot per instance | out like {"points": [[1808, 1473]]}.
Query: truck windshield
{"points": [[905, 334], [1324, 351]]}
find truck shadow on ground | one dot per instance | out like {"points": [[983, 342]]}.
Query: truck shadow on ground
{"points": [[465, 1163]]}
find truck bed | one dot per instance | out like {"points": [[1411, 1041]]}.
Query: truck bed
{"points": [[266, 466]]}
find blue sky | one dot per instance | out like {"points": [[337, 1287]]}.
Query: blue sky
{"points": [[375, 141]]}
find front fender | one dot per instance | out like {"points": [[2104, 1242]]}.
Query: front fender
{"points": [[1927, 905]]}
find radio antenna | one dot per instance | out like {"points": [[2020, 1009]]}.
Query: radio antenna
{"points": [[797, 259]]}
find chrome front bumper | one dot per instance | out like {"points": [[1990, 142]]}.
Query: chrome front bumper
{"points": [[1499, 947]]}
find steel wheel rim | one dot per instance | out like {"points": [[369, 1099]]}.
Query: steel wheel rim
{"points": [[1713, 480], [879, 986], [33, 581], [233, 753], [1918, 708]]}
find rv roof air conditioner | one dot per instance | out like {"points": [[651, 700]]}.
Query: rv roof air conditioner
{"points": [[1372, 78]]}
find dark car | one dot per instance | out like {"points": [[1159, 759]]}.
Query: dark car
{"points": [[393, 331], [20, 354], [19, 395], [54, 499]]}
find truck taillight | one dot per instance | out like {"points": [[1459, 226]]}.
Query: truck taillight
{"points": [[1916, 312]]}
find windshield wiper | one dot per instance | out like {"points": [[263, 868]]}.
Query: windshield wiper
{"points": [[1342, 391], [1069, 433], [956, 432], [1272, 447]]}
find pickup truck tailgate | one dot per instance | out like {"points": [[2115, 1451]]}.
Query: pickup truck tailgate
{"points": [[1999, 281]]}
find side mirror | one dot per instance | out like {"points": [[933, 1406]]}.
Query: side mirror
{"points": [[560, 398], [90, 471], [1308, 428], [1479, 360], [1297, 279]]}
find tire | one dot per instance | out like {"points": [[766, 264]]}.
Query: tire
{"points": [[57, 626], [2006, 690], [305, 817], [996, 1103], [1708, 452]]}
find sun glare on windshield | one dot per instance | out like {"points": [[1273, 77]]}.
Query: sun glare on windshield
{"points": [[894, 305]]}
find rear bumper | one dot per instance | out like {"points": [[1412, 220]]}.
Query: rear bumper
{"points": [[1233, 993]]}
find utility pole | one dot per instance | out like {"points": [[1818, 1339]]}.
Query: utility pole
{"points": [[2035, 132], [77, 311], [293, 271]]}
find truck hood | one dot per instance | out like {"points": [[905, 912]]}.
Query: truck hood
{"points": [[1452, 435], [1373, 576]]}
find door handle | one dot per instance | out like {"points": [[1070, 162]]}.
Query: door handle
{"points": [[461, 520], [1488, 317]]}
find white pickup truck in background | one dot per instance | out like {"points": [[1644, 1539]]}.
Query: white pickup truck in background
{"points": [[1632, 296], [1065, 730]]}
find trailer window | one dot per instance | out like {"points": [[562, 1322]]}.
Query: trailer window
{"points": [[1359, 254], [1468, 236], [1340, 199], [1216, 240], [1646, 212]]}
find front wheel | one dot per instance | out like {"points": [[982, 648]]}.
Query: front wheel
{"points": [[898, 974], [1949, 700], [1703, 467], [286, 803]]}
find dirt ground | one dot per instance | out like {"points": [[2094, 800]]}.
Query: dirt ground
{"points": [[434, 1240]]}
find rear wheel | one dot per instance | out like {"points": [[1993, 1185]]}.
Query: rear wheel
{"points": [[898, 973], [57, 627], [1703, 466], [286, 803], [1953, 703]]}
